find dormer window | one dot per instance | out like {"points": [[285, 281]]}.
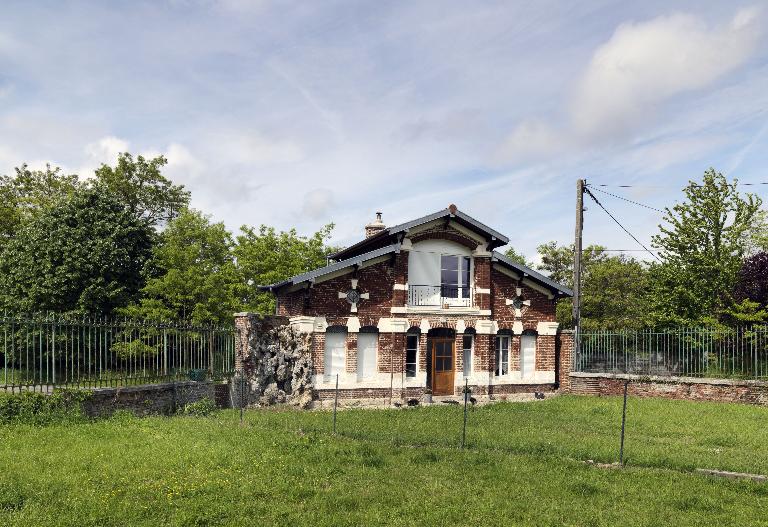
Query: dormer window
{"points": [[440, 275]]}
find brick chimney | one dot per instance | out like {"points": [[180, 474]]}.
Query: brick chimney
{"points": [[375, 227]]}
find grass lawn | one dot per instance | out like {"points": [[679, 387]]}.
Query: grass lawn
{"points": [[524, 466]]}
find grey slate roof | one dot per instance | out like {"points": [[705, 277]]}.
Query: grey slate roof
{"points": [[328, 269], [546, 281], [404, 227]]}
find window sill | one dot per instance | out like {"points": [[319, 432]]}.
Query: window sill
{"points": [[457, 310]]}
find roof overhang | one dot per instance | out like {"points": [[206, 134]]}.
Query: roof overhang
{"points": [[526, 273], [334, 268]]}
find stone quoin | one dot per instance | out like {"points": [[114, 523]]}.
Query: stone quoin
{"points": [[427, 305]]}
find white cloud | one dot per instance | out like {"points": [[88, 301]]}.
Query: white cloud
{"points": [[629, 77], [644, 64]]}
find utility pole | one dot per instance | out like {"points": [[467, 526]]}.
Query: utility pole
{"points": [[577, 268]]}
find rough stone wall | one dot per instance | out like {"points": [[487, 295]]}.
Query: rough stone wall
{"points": [[721, 390], [276, 363], [148, 399]]}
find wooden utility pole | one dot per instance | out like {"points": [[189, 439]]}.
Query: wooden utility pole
{"points": [[577, 268]]}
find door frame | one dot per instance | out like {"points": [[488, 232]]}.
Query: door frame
{"points": [[432, 351]]}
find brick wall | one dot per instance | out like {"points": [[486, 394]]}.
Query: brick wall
{"points": [[563, 358], [721, 390], [323, 298], [503, 287]]}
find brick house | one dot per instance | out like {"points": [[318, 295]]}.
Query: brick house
{"points": [[426, 304]]}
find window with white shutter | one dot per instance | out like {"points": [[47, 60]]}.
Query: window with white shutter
{"points": [[367, 343], [335, 350]]}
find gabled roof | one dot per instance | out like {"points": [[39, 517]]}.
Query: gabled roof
{"points": [[390, 234], [332, 268], [527, 271]]}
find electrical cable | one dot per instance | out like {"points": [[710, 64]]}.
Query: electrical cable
{"points": [[628, 200], [620, 225]]}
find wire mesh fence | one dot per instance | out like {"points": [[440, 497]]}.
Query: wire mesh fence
{"points": [[740, 353], [48, 351]]}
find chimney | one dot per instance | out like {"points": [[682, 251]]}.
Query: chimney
{"points": [[375, 227]]}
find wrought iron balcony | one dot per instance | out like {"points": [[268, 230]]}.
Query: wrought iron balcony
{"points": [[441, 296]]}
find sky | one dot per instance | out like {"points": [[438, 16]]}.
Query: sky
{"points": [[297, 114]]}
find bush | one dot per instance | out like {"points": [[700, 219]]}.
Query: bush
{"points": [[201, 408], [40, 409]]}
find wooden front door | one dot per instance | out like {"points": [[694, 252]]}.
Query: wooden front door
{"points": [[442, 366]]}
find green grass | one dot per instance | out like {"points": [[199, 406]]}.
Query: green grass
{"points": [[524, 466]]}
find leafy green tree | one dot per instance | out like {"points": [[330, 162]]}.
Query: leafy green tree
{"points": [[28, 191], [141, 186], [192, 274], [702, 246], [614, 288], [84, 253], [515, 256], [266, 256]]}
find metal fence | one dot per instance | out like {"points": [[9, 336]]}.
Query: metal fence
{"points": [[43, 352], [740, 352]]}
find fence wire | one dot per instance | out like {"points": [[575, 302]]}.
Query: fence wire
{"points": [[739, 353], [44, 352]]}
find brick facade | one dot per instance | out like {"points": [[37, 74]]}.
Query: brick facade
{"points": [[320, 304]]}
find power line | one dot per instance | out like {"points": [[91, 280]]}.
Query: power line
{"points": [[605, 185], [627, 199], [620, 225]]}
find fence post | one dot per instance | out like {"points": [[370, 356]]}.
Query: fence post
{"points": [[466, 397], [165, 352], [335, 402], [623, 424]]}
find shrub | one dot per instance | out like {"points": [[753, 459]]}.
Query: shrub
{"points": [[201, 408], [40, 409]]}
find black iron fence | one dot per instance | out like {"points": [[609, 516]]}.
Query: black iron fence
{"points": [[740, 352], [43, 352]]}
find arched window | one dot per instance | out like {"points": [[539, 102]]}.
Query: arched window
{"points": [[367, 347], [335, 350], [503, 343], [468, 344], [527, 353], [412, 351]]}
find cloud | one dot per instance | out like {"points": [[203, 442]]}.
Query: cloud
{"points": [[629, 77], [318, 203]]}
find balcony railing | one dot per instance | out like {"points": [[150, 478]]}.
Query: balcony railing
{"points": [[440, 296]]}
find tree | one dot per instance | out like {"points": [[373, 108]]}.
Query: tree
{"points": [[613, 292], [702, 246], [751, 291], [145, 191], [265, 256], [29, 191], [84, 253], [192, 274], [515, 256]]}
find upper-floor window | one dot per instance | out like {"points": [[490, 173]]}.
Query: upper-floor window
{"points": [[440, 274], [455, 277]]}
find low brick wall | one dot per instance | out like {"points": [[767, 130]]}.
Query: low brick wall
{"points": [[694, 389], [148, 399]]}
